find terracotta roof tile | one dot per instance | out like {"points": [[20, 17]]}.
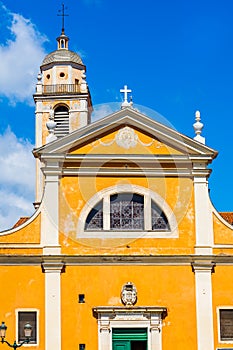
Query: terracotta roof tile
{"points": [[228, 216], [21, 221]]}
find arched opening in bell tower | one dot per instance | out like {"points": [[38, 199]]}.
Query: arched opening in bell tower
{"points": [[61, 117]]}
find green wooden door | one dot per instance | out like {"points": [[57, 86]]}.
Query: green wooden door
{"points": [[129, 338], [121, 345]]}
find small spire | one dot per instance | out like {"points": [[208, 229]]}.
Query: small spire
{"points": [[126, 103], [63, 15], [198, 126], [83, 86], [39, 84], [39, 78], [131, 101], [62, 39]]}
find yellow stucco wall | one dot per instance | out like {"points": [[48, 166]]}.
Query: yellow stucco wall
{"points": [[171, 286], [222, 278], [223, 234], [178, 193], [107, 144], [22, 287], [29, 233]]}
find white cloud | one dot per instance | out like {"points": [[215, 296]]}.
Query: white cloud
{"points": [[104, 109], [17, 179], [21, 55], [12, 207]]}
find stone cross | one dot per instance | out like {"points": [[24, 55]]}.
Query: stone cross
{"points": [[125, 91]]}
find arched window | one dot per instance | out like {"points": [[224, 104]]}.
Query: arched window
{"points": [[158, 218], [61, 117], [94, 219], [126, 212]]}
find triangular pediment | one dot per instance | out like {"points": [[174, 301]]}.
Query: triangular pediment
{"points": [[129, 130]]}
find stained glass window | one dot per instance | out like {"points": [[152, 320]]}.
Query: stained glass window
{"points": [[94, 219], [158, 218], [126, 211]]}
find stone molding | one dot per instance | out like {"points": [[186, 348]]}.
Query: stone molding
{"points": [[203, 267], [149, 317], [52, 267], [73, 260], [108, 315]]}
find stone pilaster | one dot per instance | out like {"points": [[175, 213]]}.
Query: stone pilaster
{"points": [[203, 216], [52, 272], [204, 307]]}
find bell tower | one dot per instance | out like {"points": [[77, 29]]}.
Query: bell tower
{"points": [[62, 94], [62, 98]]}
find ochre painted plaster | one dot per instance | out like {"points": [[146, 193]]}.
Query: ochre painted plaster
{"points": [[223, 234], [30, 233], [107, 144], [170, 286]]}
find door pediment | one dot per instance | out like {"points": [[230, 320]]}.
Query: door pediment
{"points": [[108, 316]]}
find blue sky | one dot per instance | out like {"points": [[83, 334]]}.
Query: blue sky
{"points": [[176, 56]]}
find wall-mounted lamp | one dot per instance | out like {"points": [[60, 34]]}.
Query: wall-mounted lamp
{"points": [[27, 332]]}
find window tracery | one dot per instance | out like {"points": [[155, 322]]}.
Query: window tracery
{"points": [[158, 218], [94, 219], [126, 212]]}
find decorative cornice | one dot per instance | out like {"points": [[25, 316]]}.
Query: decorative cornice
{"points": [[145, 158], [41, 97], [203, 266], [127, 171], [52, 266], [89, 260], [130, 165], [114, 310]]}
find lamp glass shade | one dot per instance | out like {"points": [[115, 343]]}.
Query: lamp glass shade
{"points": [[3, 329], [27, 330]]}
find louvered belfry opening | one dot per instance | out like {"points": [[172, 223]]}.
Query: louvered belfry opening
{"points": [[61, 117]]}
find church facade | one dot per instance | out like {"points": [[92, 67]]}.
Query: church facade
{"points": [[124, 251]]}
